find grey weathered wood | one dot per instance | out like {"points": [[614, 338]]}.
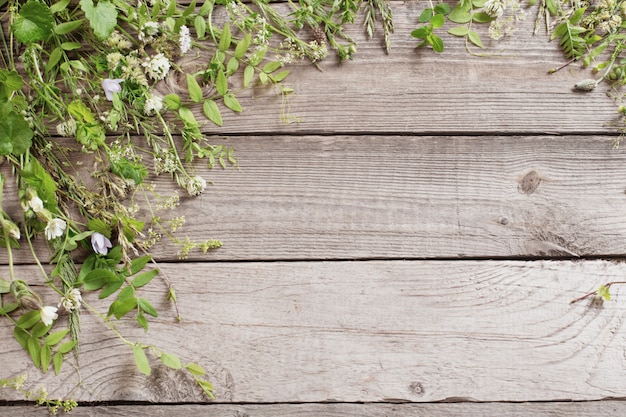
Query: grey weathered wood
{"points": [[376, 331], [579, 409], [352, 197]]}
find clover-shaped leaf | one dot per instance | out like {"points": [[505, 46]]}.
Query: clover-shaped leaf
{"points": [[34, 24]]}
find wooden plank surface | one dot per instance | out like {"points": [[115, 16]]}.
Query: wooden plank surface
{"points": [[588, 409], [377, 331]]}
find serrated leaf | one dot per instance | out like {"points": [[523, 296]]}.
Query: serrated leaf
{"points": [[141, 360], [458, 31], [195, 92], [232, 103], [212, 112], [15, 134], [171, 361], [34, 22], [102, 17], [67, 27], [475, 38], [54, 338]]}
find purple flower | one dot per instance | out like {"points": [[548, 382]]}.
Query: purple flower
{"points": [[111, 86], [100, 243]]}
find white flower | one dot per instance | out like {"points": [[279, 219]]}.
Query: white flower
{"points": [[67, 129], [157, 67], [196, 185], [100, 243], [72, 300], [36, 204], [114, 59], [153, 105], [494, 8], [184, 40], [148, 31], [55, 228], [111, 86], [48, 314]]}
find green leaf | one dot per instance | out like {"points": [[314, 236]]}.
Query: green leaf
{"points": [[242, 46], [459, 15], [15, 134], [59, 6], [436, 42], [102, 17], [46, 355], [57, 360], [248, 74], [195, 369], [67, 27], [111, 288], [39, 330], [190, 9], [35, 351], [5, 286], [97, 278], [70, 46], [232, 66], [36, 176], [482, 17], [100, 226], [206, 9], [11, 79], [146, 307], [54, 338], [280, 76], [232, 103], [422, 33], [437, 20], [221, 83], [425, 16], [225, 38], [257, 57], [67, 346], [206, 387], [22, 337], [55, 57], [141, 360], [171, 361], [442, 8], [29, 319], [126, 293], [172, 101], [200, 25], [195, 92], [270, 67], [144, 278], [603, 291], [186, 115], [458, 31], [79, 111], [34, 22], [475, 38], [120, 308]]}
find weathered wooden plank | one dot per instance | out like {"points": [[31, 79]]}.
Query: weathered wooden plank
{"points": [[360, 197], [507, 91], [579, 409], [402, 92], [363, 331]]}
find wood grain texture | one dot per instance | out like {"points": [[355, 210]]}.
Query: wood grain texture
{"points": [[375, 331], [416, 91], [363, 197], [584, 409]]}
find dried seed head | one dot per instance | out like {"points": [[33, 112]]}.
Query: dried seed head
{"points": [[586, 85], [319, 35]]}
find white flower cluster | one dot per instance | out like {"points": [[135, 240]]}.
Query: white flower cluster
{"points": [[148, 31], [72, 300], [157, 67], [67, 129], [494, 8], [165, 163], [153, 105], [196, 185], [116, 40], [184, 40]]}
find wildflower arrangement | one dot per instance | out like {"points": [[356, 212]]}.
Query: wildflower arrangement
{"points": [[90, 78]]}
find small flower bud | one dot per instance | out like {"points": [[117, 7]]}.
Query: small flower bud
{"points": [[586, 85], [24, 296]]}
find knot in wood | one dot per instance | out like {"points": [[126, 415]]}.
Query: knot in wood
{"points": [[529, 182], [416, 388]]}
